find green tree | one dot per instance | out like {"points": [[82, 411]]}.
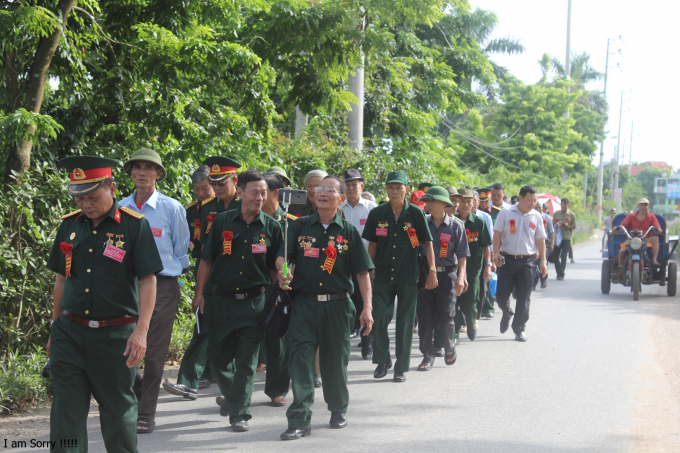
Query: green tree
{"points": [[646, 179]]}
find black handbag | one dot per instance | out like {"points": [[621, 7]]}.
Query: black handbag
{"points": [[424, 271], [275, 317]]}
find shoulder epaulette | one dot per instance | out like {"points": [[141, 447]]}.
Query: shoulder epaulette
{"points": [[497, 208], [207, 201], [71, 214], [291, 217], [193, 203], [134, 214], [459, 220]]}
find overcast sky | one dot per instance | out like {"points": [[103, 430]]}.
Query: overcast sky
{"points": [[650, 63]]}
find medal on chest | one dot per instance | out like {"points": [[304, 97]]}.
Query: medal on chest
{"points": [[411, 235], [331, 255], [210, 219], [67, 249], [119, 242], [227, 236], [110, 241], [444, 250], [197, 229], [513, 227]]}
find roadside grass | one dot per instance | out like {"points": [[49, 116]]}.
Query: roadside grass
{"points": [[21, 382]]}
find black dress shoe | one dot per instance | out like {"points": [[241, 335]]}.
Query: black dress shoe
{"points": [[204, 383], [366, 347], [487, 316], [355, 333], [317, 381], [399, 376], [240, 426], [381, 370], [295, 434], [338, 420], [224, 408], [367, 354], [472, 333], [439, 352], [521, 337], [426, 364], [505, 324], [180, 390]]}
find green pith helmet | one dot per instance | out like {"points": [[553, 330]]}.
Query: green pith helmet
{"points": [[146, 155], [281, 173], [437, 193], [87, 173]]}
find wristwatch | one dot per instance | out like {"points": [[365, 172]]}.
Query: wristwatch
{"points": [[489, 263], [543, 261], [433, 269]]}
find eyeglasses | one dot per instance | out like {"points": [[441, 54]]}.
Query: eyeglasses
{"points": [[218, 184], [329, 189]]}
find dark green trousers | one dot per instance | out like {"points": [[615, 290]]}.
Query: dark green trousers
{"points": [[383, 311], [235, 337], [467, 303], [561, 252], [262, 355], [86, 362], [277, 379], [195, 362], [326, 325]]}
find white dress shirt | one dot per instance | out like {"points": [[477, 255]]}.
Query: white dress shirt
{"points": [[519, 231], [357, 215]]}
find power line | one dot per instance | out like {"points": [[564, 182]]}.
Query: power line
{"points": [[480, 149]]}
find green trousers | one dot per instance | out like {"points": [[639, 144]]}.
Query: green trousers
{"points": [[467, 304], [383, 310], [277, 379], [262, 355], [87, 361], [326, 325], [195, 364], [235, 337]]}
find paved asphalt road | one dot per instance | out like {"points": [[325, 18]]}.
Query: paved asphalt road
{"points": [[580, 384]]}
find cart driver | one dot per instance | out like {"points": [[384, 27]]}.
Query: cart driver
{"points": [[641, 220]]}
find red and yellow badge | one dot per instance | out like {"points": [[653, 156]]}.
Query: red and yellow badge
{"points": [[227, 236], [513, 227], [197, 229], [210, 217], [331, 255], [79, 174], [67, 249], [444, 249], [413, 237]]}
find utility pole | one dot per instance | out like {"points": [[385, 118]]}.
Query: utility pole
{"points": [[630, 153], [567, 62], [300, 122], [618, 149], [355, 117], [600, 173]]}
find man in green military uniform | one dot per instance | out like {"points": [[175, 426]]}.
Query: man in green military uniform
{"points": [[106, 259], [194, 372], [479, 261], [396, 231], [327, 253], [240, 251]]}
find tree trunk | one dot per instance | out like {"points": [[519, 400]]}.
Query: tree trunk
{"points": [[20, 156]]}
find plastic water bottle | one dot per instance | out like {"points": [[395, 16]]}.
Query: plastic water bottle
{"points": [[493, 282]]}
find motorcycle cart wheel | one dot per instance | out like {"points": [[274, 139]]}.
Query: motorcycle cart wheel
{"points": [[636, 281], [672, 279], [606, 276]]}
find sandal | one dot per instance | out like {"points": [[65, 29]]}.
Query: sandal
{"points": [[261, 367], [450, 357], [145, 425], [426, 364]]}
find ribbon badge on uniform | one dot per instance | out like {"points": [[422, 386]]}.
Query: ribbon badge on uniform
{"points": [[226, 244], [513, 228], [210, 217], [67, 249], [331, 255], [197, 229], [444, 250], [411, 235]]}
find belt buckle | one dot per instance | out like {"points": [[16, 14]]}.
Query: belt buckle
{"points": [[240, 296], [93, 324], [322, 298]]}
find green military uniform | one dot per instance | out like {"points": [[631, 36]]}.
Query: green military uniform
{"points": [[494, 211], [239, 274], [195, 362], [323, 324], [106, 262], [478, 237], [396, 274]]}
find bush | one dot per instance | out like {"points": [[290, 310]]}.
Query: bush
{"points": [[21, 382]]}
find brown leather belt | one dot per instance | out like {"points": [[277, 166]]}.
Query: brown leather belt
{"points": [[119, 321], [517, 257], [324, 297], [240, 296]]}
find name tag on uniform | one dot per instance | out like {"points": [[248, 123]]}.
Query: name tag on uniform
{"points": [[157, 232], [259, 248], [381, 231], [362, 222], [532, 226], [444, 237], [114, 253], [312, 252]]}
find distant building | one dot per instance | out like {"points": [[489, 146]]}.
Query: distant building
{"points": [[636, 169], [667, 197]]}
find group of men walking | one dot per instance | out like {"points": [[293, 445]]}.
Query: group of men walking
{"points": [[347, 263]]}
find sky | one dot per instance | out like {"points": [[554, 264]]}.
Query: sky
{"points": [[649, 63]]}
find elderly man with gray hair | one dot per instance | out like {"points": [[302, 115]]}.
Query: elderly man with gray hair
{"points": [[312, 179]]}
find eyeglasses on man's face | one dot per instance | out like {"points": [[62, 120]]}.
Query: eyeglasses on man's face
{"points": [[329, 189]]}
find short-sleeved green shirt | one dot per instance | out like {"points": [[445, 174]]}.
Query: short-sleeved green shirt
{"points": [[247, 266], [214, 206], [100, 287], [565, 219], [396, 260], [308, 252], [478, 237], [193, 211]]}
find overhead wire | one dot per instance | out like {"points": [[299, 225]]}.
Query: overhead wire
{"points": [[480, 149]]}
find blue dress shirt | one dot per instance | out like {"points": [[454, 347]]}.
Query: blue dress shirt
{"points": [[168, 221]]}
